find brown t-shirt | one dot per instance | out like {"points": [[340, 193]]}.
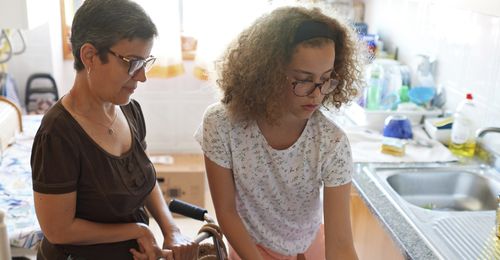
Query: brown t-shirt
{"points": [[109, 189]]}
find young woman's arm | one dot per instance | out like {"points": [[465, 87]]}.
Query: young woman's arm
{"points": [[338, 235], [182, 247], [222, 189]]}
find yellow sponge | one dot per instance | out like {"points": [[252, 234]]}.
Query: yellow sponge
{"points": [[393, 146], [444, 123]]}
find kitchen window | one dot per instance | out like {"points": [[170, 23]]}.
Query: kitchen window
{"points": [[203, 29]]}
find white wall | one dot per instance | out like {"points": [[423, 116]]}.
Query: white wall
{"points": [[466, 42], [43, 51], [173, 107], [463, 35]]}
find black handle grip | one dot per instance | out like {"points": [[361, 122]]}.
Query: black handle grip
{"points": [[186, 209]]}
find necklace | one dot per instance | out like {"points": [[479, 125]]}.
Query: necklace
{"points": [[110, 128]]}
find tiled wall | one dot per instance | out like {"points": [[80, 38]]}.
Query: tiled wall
{"points": [[464, 36]]}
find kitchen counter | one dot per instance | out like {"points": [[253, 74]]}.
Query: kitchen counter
{"points": [[401, 230], [417, 233], [444, 231]]}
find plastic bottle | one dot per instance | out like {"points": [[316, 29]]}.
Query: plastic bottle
{"points": [[375, 87], [392, 83], [424, 80], [463, 142], [4, 239], [403, 94], [424, 76]]}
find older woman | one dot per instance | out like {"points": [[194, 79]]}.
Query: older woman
{"points": [[92, 179]]}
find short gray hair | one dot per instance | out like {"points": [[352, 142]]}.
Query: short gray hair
{"points": [[103, 23]]}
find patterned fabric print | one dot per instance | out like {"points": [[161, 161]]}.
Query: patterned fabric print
{"points": [[16, 192], [278, 191]]}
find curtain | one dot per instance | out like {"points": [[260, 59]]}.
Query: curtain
{"points": [[167, 48], [214, 24]]}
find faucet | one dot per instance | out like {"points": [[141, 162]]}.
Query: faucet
{"points": [[483, 151], [483, 131]]}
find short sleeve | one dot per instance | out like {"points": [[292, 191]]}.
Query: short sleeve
{"points": [[338, 165], [213, 135], [54, 164]]}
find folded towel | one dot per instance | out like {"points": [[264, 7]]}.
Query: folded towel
{"points": [[366, 143]]}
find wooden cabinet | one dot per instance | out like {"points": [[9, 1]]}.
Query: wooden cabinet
{"points": [[370, 238], [183, 178]]}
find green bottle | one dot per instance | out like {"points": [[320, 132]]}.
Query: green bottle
{"points": [[374, 90], [403, 94]]}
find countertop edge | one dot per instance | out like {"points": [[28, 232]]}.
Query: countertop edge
{"points": [[405, 236]]}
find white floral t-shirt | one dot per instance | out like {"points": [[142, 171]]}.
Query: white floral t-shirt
{"points": [[278, 191]]}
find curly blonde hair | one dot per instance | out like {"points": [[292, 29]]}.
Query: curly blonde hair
{"points": [[251, 72]]}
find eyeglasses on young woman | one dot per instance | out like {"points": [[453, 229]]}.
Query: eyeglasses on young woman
{"points": [[303, 88]]}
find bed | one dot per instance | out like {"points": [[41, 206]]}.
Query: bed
{"points": [[16, 193]]}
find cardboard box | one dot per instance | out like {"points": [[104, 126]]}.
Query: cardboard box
{"points": [[182, 178]]}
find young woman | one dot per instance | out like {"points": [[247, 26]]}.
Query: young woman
{"points": [[92, 179], [269, 146]]}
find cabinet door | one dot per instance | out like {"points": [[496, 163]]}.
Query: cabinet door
{"points": [[370, 239], [183, 179]]}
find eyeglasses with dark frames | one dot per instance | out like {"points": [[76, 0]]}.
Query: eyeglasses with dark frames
{"points": [[303, 88], [136, 64]]}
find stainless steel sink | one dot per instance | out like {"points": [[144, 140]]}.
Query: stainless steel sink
{"points": [[445, 190], [451, 206]]}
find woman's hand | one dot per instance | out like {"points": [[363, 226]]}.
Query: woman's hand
{"points": [[148, 248], [164, 255], [182, 247]]}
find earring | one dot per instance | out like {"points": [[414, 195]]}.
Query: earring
{"points": [[88, 74]]}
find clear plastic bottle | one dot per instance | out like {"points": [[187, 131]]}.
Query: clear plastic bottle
{"points": [[463, 142], [424, 85], [424, 75], [374, 90]]}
